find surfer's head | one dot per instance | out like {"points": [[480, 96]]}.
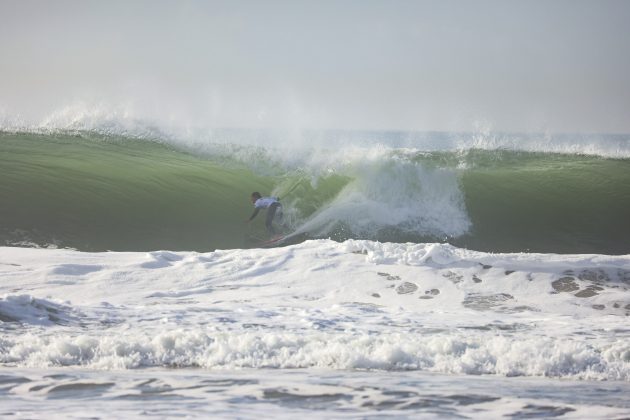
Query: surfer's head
{"points": [[255, 196]]}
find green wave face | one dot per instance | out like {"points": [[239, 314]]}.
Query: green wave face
{"points": [[112, 193], [120, 194], [548, 203]]}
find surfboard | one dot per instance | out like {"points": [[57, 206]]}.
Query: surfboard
{"points": [[274, 241]]}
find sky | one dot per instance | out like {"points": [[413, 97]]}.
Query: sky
{"points": [[446, 65]]}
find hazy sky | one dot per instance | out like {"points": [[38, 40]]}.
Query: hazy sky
{"points": [[425, 65]]}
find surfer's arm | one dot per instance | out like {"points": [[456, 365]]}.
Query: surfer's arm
{"points": [[254, 214]]}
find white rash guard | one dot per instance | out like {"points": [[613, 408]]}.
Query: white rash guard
{"points": [[265, 202]]}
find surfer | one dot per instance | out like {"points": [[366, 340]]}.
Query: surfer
{"points": [[272, 204]]}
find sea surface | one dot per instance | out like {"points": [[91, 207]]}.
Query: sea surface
{"points": [[423, 275]]}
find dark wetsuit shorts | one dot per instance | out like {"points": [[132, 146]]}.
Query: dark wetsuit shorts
{"points": [[271, 212]]}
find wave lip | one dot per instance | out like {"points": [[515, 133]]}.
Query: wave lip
{"points": [[128, 120]]}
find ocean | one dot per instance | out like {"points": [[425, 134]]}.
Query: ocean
{"points": [[422, 275]]}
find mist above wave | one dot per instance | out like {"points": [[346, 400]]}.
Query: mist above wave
{"points": [[206, 138]]}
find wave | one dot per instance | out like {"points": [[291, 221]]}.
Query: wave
{"points": [[97, 191]]}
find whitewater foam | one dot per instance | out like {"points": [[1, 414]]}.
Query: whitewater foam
{"points": [[390, 193], [320, 304]]}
